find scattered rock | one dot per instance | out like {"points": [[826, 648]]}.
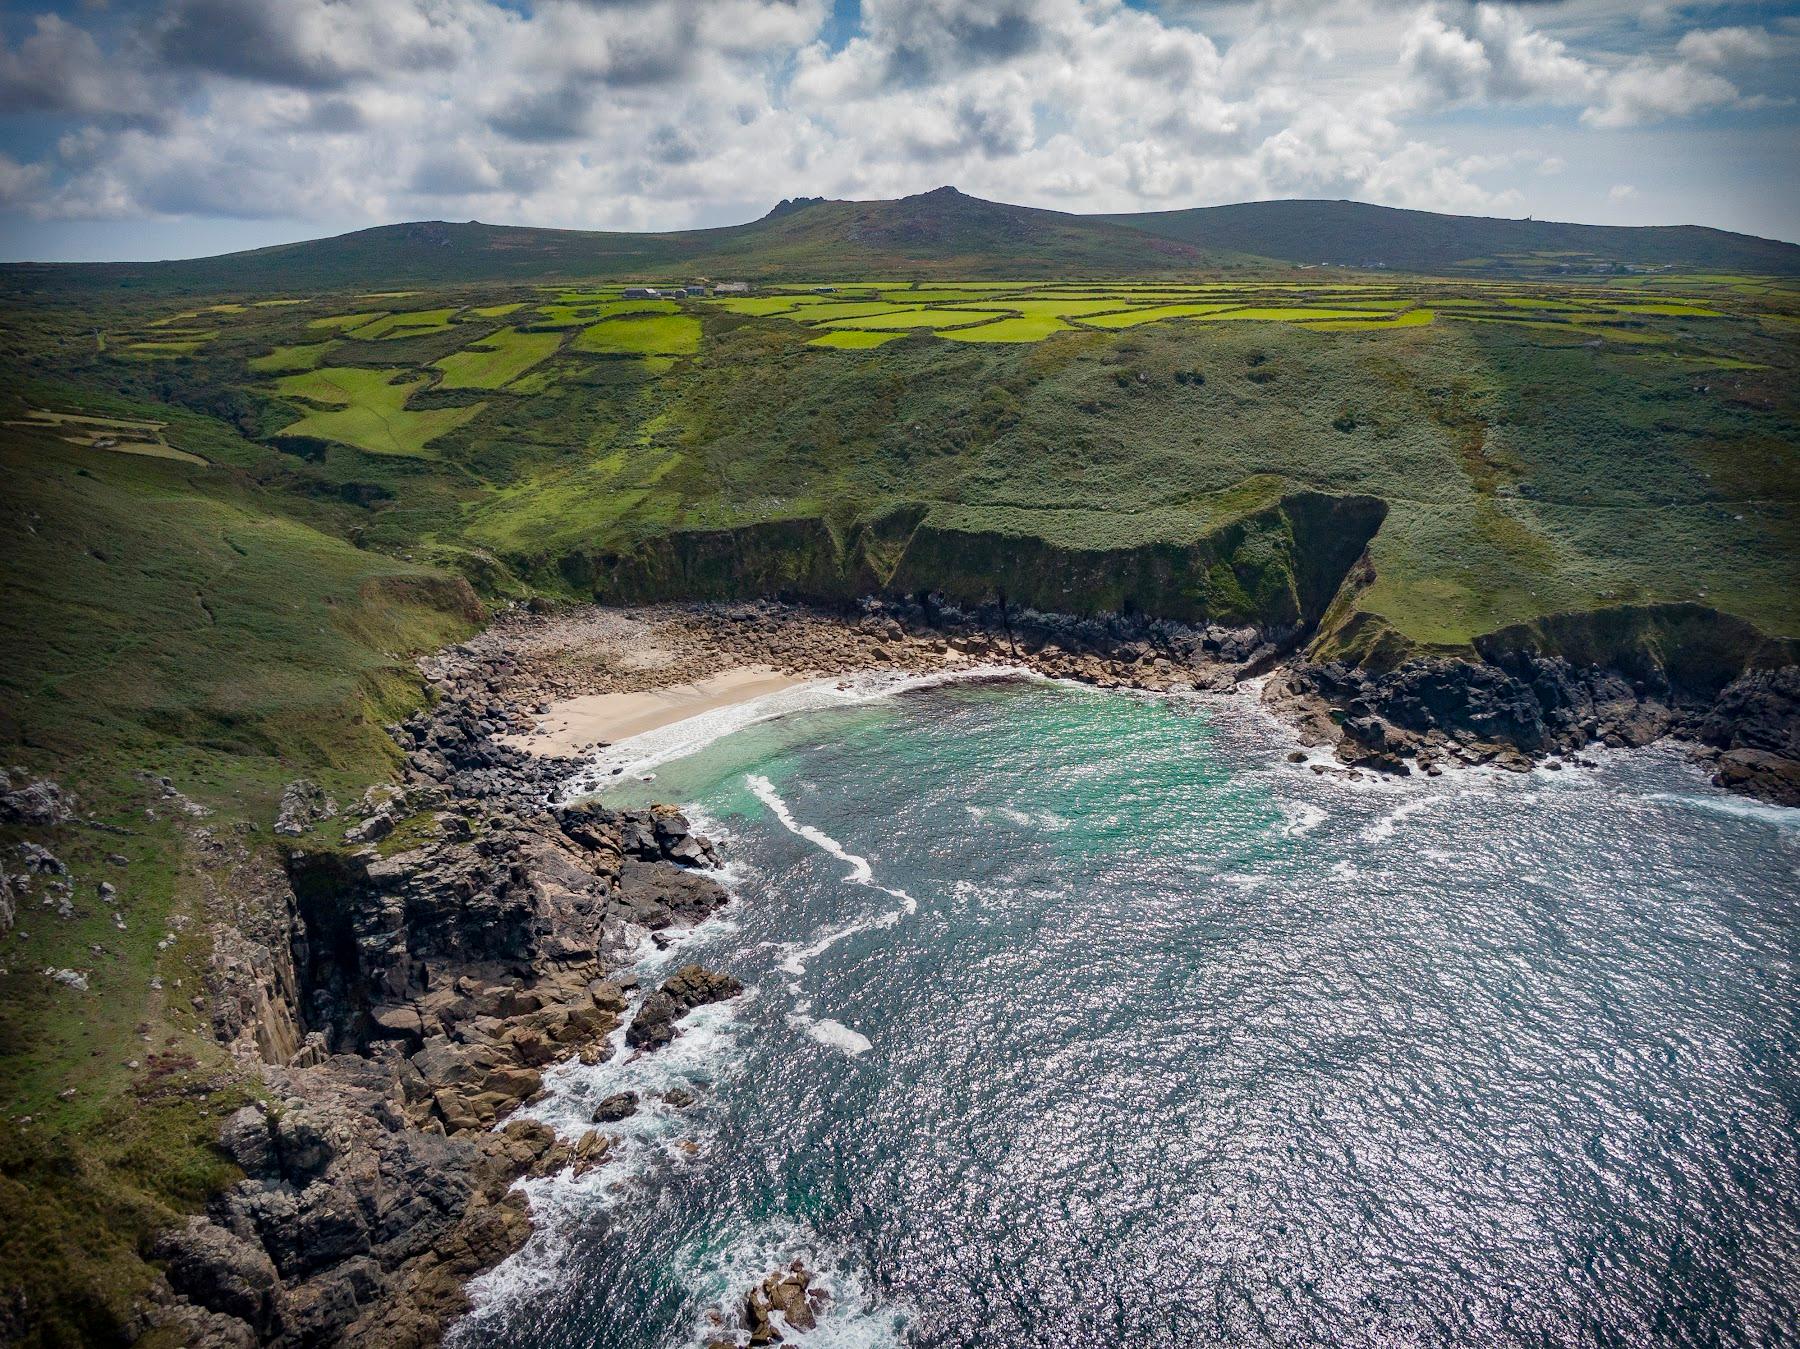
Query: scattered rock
{"points": [[40, 861]]}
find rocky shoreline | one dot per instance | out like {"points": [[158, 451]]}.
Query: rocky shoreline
{"points": [[403, 980], [1509, 710]]}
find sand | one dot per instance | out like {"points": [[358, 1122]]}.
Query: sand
{"points": [[573, 724]]}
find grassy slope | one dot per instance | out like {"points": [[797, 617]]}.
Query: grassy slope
{"points": [[169, 620], [1524, 480]]}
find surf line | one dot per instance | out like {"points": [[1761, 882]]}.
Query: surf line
{"points": [[861, 873], [832, 1033]]}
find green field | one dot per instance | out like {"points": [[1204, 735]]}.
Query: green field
{"points": [[406, 324], [660, 335], [367, 409], [852, 341], [284, 360], [496, 360]]}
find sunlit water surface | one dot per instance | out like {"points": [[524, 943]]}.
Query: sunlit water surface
{"points": [[1081, 1018]]}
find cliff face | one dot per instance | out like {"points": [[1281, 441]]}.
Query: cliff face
{"points": [[1277, 568], [1623, 676], [399, 994]]}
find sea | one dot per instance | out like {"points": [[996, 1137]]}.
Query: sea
{"points": [[1086, 1018]]}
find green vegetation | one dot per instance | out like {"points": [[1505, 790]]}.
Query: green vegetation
{"points": [[283, 360], [401, 325], [852, 340], [371, 411], [166, 619], [670, 335], [496, 360]]}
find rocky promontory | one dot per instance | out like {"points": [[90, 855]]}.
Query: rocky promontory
{"points": [[413, 972]]}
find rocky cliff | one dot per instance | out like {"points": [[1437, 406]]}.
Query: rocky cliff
{"points": [[399, 989]]}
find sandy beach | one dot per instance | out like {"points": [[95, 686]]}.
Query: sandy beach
{"points": [[574, 724]]}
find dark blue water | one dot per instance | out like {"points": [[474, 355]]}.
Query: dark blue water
{"points": [[1081, 1019]]}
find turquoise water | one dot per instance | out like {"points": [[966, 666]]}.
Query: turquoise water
{"points": [[1083, 1018]]}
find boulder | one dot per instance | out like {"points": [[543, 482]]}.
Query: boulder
{"points": [[782, 1293], [303, 804], [620, 1105], [36, 802], [40, 861], [1756, 772], [247, 1140], [221, 1271], [689, 987], [306, 1141]]}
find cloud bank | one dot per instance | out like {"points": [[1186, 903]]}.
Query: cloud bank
{"points": [[644, 114]]}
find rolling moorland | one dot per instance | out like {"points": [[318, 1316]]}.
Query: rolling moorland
{"points": [[242, 494]]}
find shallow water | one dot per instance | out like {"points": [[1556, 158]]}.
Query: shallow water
{"points": [[1084, 1018]]}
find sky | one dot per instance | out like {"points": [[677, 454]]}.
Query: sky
{"points": [[179, 128]]}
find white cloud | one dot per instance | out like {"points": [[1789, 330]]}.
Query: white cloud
{"points": [[662, 113], [1726, 46], [1648, 91], [1491, 52]]}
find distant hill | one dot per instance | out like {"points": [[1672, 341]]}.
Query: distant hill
{"points": [[1354, 234], [939, 233]]}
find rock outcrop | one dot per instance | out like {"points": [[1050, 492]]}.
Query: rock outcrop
{"points": [[402, 994], [1755, 729], [1523, 704], [689, 987], [303, 804], [37, 803]]}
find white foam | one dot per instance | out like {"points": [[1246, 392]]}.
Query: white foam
{"points": [[636, 755], [718, 1275], [838, 1036], [794, 962], [1047, 820], [861, 872], [1739, 807], [1244, 880], [1302, 818], [1383, 829]]}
